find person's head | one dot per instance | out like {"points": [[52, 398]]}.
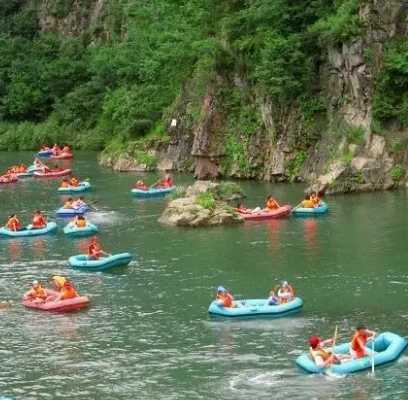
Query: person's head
{"points": [[361, 328], [313, 194], [239, 205], [58, 281], [94, 239], [37, 212], [307, 197], [70, 199], [272, 293], [270, 197], [315, 342], [65, 180], [81, 198], [81, 217], [221, 290], [67, 284], [35, 284], [13, 215], [285, 284]]}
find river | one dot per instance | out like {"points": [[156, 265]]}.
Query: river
{"points": [[147, 334]]}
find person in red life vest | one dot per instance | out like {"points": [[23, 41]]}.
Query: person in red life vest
{"points": [[38, 220], [36, 293], [140, 185], [223, 298], [359, 340], [94, 251], [168, 181], [320, 356], [67, 292], [13, 223], [56, 151]]}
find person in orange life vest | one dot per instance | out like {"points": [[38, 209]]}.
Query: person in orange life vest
{"points": [[13, 223], [66, 150], [67, 292], [68, 204], [286, 293], [80, 221], [243, 210], [271, 204], [319, 355], [38, 220], [79, 203], [36, 293], [315, 198], [223, 298], [358, 342], [140, 185], [307, 203], [74, 181], [94, 251], [56, 151]]}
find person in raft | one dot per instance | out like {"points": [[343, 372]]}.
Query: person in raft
{"points": [[94, 251], [307, 203], [79, 203], [67, 292], [223, 298], [74, 182], [65, 183], [66, 150], [39, 220], [36, 293], [273, 300], [358, 342], [320, 356], [69, 203], [271, 205], [316, 199], [45, 169], [56, 151], [79, 221], [165, 183], [13, 223], [243, 210], [58, 282], [140, 185], [286, 292], [44, 148]]}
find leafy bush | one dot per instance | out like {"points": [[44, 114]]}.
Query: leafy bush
{"points": [[144, 158], [294, 166], [176, 194], [206, 200], [355, 134], [397, 173]]}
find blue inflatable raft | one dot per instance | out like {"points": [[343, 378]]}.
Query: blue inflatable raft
{"points": [[75, 189], [28, 231], [82, 261], [387, 347], [69, 212], [152, 192], [304, 212], [45, 153], [255, 308], [73, 231]]}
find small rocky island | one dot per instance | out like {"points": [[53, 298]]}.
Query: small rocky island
{"points": [[204, 204]]}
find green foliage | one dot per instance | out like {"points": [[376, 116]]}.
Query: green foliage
{"points": [[294, 166], [144, 158], [206, 200], [355, 134], [397, 173], [176, 194], [230, 191]]}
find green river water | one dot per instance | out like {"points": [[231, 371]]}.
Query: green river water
{"points": [[147, 334]]}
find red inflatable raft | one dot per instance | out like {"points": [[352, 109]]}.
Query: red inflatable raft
{"points": [[63, 156], [264, 216], [4, 181], [52, 174], [78, 303]]}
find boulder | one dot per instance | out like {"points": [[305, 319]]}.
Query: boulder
{"points": [[201, 187], [336, 169]]}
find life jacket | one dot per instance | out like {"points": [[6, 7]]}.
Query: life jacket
{"points": [[272, 205], [68, 204], [38, 221], [319, 353], [168, 182], [69, 293], [13, 224], [356, 346], [38, 293], [93, 250], [81, 223], [315, 200], [74, 182], [226, 299], [307, 204]]}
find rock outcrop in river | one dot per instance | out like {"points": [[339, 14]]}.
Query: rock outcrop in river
{"points": [[204, 204]]}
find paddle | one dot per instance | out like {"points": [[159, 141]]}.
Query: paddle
{"points": [[154, 184], [92, 205]]}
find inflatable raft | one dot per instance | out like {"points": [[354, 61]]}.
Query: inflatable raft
{"points": [[25, 175], [264, 216], [45, 153], [74, 231], [152, 192], [52, 174], [81, 261], [63, 156], [75, 189], [255, 308], [388, 347], [5, 181], [28, 231], [77, 303], [33, 168], [322, 209], [69, 212]]}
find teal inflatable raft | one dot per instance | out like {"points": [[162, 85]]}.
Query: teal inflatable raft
{"points": [[73, 231], [69, 212], [387, 347], [82, 261], [75, 189], [305, 212], [255, 308], [152, 192], [29, 231]]}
